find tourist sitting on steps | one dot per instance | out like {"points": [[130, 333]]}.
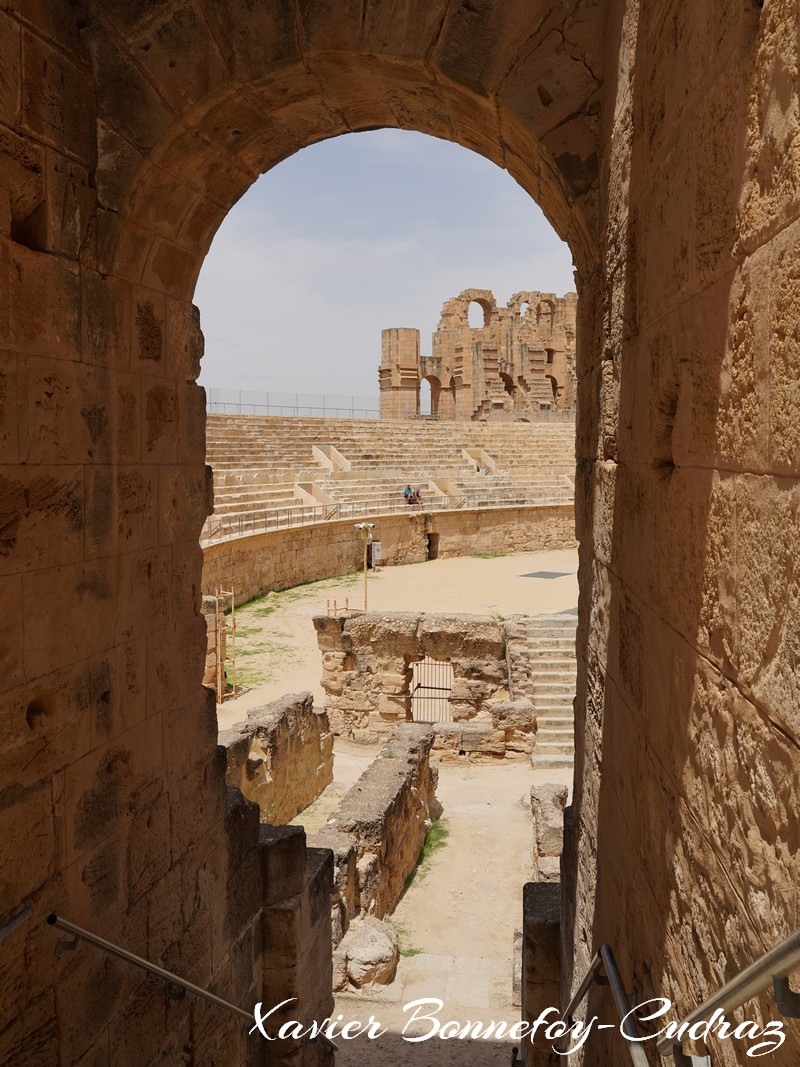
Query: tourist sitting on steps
{"points": [[408, 495]]}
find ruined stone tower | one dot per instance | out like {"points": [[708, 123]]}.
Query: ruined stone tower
{"points": [[519, 362]]}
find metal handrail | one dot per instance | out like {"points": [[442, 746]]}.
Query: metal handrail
{"points": [[121, 953], [771, 969], [226, 526], [604, 960], [12, 924]]}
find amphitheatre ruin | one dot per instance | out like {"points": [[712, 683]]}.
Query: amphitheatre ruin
{"points": [[169, 861], [519, 362]]}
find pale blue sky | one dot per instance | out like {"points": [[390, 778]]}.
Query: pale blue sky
{"points": [[354, 235]]}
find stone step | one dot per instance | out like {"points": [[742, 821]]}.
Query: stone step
{"points": [[554, 689], [557, 659], [554, 747], [551, 761]]}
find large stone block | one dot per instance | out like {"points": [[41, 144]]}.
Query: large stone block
{"points": [[282, 851], [547, 804]]}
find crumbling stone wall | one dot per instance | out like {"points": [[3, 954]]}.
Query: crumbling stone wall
{"points": [[540, 967], [281, 756], [378, 830], [519, 361], [279, 559], [367, 662], [548, 803]]}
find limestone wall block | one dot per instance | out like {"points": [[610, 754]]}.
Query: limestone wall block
{"points": [[548, 802], [541, 954], [281, 757], [28, 827], [390, 683], [390, 706], [388, 812], [89, 809], [519, 714], [261, 562]]}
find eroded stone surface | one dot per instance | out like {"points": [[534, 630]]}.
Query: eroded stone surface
{"points": [[520, 360], [367, 662], [367, 955], [661, 141], [281, 757]]}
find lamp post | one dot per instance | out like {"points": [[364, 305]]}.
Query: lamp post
{"points": [[365, 529]]}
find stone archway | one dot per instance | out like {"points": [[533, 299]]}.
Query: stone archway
{"points": [[128, 130]]}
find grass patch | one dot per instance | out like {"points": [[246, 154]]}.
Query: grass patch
{"points": [[490, 555], [267, 603], [435, 839], [403, 947], [248, 676]]}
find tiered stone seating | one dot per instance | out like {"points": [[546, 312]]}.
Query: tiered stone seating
{"points": [[260, 463]]}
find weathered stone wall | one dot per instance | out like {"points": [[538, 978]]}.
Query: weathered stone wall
{"points": [[281, 757], [541, 970], [282, 558], [685, 853], [296, 925], [386, 814], [548, 802], [367, 662]]}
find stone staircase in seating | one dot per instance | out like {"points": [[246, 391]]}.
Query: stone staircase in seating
{"points": [[541, 657], [269, 463]]}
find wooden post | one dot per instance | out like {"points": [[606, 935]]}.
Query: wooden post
{"points": [[220, 693], [230, 593], [233, 638]]}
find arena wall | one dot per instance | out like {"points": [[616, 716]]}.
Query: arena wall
{"points": [[279, 559]]}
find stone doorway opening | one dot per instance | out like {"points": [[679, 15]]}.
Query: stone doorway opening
{"points": [[431, 689]]}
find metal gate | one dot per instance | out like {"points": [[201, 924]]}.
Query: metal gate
{"points": [[431, 686]]}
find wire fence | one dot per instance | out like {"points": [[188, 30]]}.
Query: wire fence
{"points": [[225, 527], [321, 405], [307, 405]]}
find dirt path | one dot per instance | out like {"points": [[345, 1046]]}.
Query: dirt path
{"points": [[458, 919]]}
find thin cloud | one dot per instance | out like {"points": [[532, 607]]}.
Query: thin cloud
{"points": [[353, 236]]}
